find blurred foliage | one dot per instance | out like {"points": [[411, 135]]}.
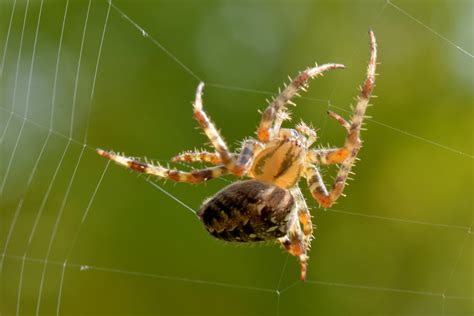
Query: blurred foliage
{"points": [[416, 166]]}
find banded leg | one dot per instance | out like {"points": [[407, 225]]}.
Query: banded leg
{"points": [[246, 156], [353, 142], [195, 176], [234, 165], [275, 113], [294, 243], [302, 128], [243, 160], [316, 186], [327, 156], [304, 216], [210, 130], [198, 156], [308, 131], [341, 120]]}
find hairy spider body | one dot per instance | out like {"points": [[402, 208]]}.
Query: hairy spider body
{"points": [[281, 161], [248, 211], [270, 206]]}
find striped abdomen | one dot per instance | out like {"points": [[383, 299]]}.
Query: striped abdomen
{"points": [[248, 211]]}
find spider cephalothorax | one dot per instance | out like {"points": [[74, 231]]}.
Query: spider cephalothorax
{"points": [[269, 206]]}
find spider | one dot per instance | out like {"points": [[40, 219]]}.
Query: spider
{"points": [[269, 206]]}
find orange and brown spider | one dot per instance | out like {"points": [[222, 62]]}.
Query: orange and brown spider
{"points": [[269, 206]]}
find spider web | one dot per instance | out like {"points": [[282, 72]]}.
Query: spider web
{"points": [[80, 237]]}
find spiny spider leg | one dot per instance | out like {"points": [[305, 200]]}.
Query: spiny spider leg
{"points": [[276, 108], [198, 156], [304, 129], [295, 245], [243, 159], [195, 176], [316, 185], [341, 121], [330, 156], [304, 216], [247, 155], [327, 156], [353, 142], [209, 128], [282, 115], [235, 166]]}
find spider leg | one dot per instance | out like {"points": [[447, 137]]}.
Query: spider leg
{"points": [[286, 133], [304, 129], [294, 244], [304, 215], [195, 176], [316, 186], [327, 156], [236, 166], [210, 130], [275, 113], [198, 156], [352, 144], [341, 121], [246, 156], [243, 160]]}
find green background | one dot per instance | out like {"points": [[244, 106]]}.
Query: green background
{"points": [[398, 244]]}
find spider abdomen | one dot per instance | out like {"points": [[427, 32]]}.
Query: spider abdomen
{"points": [[248, 211]]}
